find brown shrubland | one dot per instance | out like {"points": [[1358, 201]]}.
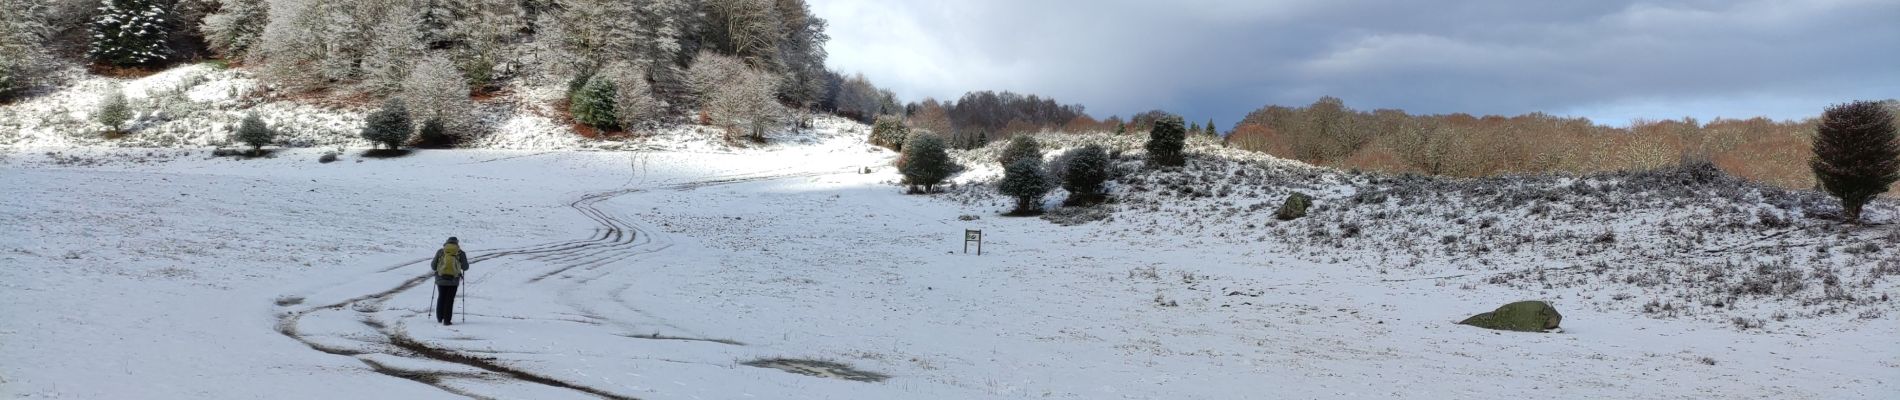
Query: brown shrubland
{"points": [[1327, 133]]}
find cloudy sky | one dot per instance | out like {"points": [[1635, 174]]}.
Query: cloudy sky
{"points": [[1608, 60]]}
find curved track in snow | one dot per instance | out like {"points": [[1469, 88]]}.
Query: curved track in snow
{"points": [[372, 330]]}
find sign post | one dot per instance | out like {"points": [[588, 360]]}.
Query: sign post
{"points": [[972, 235]]}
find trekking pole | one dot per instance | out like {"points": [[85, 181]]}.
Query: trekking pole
{"points": [[464, 297], [432, 295]]}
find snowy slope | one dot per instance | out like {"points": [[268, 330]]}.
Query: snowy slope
{"points": [[198, 106], [166, 273]]}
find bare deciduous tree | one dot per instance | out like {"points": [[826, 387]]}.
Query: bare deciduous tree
{"points": [[735, 96]]}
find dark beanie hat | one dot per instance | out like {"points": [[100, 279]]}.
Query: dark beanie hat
{"points": [[452, 240]]}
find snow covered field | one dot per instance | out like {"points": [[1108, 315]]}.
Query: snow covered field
{"points": [[165, 273]]}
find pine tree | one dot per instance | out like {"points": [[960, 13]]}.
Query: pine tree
{"points": [[1020, 147], [253, 132], [1194, 128], [925, 163], [389, 126], [1855, 156], [1211, 131], [1085, 173], [1024, 181], [594, 103], [131, 32], [1166, 142], [114, 110]]}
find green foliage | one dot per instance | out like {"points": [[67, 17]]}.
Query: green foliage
{"points": [[131, 33], [389, 126], [1855, 157], [593, 104], [1211, 131], [890, 132], [925, 162], [1085, 173], [1167, 142], [253, 132], [1020, 147], [433, 135], [114, 110], [1024, 181]]}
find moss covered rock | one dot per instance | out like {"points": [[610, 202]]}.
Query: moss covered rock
{"points": [[1523, 316], [1294, 207]]}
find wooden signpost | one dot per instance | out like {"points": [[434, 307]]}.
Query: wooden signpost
{"points": [[972, 235]]}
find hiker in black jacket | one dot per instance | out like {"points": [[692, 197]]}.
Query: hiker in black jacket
{"points": [[449, 265]]}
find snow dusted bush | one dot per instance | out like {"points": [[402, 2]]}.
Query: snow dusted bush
{"points": [[1085, 173], [1855, 157], [436, 90], [925, 162], [253, 132], [1024, 181], [433, 135], [113, 110], [131, 33], [1166, 141], [389, 126], [593, 104], [1020, 147], [890, 133]]}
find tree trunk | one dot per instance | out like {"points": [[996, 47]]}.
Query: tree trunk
{"points": [[1850, 211]]}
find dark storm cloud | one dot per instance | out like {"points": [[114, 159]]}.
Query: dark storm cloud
{"points": [[1608, 60]]}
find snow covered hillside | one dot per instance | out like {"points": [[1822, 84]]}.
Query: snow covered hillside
{"points": [[200, 105], [787, 272]]}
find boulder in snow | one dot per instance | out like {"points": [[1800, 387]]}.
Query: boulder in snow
{"points": [[1523, 316], [1294, 207]]}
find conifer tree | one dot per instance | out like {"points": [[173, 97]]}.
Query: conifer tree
{"points": [[593, 104], [114, 110], [1021, 147], [130, 33], [926, 163], [1855, 157], [253, 132], [1024, 181], [389, 126], [1166, 142]]}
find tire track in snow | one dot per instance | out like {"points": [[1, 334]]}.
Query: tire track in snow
{"points": [[617, 240]]}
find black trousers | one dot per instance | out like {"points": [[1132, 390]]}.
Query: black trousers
{"points": [[445, 302]]}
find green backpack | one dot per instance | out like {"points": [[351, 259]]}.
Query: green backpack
{"points": [[451, 264]]}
